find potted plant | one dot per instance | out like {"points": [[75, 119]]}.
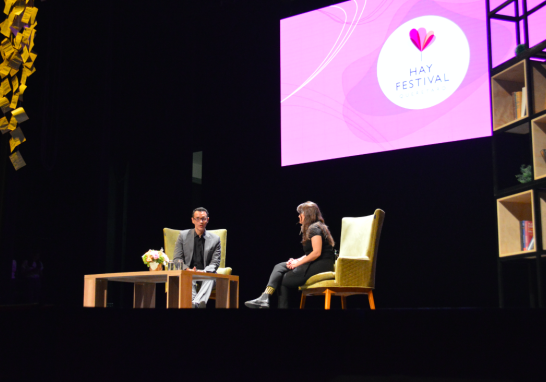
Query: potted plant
{"points": [[155, 260], [526, 174]]}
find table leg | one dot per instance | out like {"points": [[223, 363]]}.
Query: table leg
{"points": [[144, 295], [222, 293], [184, 292], [173, 292], [234, 294], [95, 293]]}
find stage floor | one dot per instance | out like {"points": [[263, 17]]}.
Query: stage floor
{"points": [[271, 345]]}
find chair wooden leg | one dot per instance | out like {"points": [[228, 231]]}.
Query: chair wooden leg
{"points": [[327, 298], [302, 303], [343, 302], [370, 299]]}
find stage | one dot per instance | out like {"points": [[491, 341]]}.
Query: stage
{"points": [[249, 133], [265, 345]]}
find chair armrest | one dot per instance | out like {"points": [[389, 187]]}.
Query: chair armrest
{"points": [[224, 271], [351, 272]]}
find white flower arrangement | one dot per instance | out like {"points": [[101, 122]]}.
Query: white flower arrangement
{"points": [[153, 258]]}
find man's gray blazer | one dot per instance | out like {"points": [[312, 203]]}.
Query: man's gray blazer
{"points": [[183, 249]]}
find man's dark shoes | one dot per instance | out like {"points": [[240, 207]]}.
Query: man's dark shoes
{"points": [[261, 302]]}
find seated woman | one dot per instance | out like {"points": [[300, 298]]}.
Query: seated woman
{"points": [[318, 247]]}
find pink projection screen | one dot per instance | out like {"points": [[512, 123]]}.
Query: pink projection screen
{"points": [[367, 76]]}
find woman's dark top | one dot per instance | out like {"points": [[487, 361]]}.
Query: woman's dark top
{"points": [[327, 253]]}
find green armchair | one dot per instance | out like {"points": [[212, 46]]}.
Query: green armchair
{"points": [[354, 271], [171, 235]]}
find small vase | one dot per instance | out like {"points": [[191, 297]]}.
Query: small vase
{"points": [[155, 266]]}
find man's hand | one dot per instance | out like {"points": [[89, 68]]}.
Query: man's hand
{"points": [[195, 270]]}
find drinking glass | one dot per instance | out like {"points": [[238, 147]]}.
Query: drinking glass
{"points": [[170, 266], [178, 264]]}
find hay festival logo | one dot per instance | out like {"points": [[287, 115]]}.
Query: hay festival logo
{"points": [[424, 77], [421, 39]]}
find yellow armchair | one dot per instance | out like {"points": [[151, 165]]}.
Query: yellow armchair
{"points": [[171, 235], [355, 268]]}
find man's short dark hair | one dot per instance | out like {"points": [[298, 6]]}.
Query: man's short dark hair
{"points": [[200, 209]]}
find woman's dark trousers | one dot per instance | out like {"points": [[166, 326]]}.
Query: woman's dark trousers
{"points": [[284, 279]]}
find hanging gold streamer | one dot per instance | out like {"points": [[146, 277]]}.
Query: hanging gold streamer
{"points": [[19, 31]]}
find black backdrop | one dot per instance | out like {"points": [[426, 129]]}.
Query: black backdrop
{"points": [[126, 91]]}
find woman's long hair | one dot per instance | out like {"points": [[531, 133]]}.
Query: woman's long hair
{"points": [[312, 215]]}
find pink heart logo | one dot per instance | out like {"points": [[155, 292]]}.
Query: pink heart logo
{"points": [[421, 39]]}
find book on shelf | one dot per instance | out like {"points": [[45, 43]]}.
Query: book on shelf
{"points": [[523, 105], [520, 103], [526, 235], [531, 245], [516, 98], [522, 234]]}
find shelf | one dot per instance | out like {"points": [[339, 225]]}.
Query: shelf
{"points": [[511, 151], [503, 86], [524, 256], [537, 52], [519, 84], [539, 86], [518, 126], [511, 210], [539, 184], [538, 132]]}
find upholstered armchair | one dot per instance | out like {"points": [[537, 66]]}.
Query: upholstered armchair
{"points": [[171, 235], [354, 271]]}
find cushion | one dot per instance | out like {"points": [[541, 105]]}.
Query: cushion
{"points": [[321, 284], [320, 277], [356, 235]]}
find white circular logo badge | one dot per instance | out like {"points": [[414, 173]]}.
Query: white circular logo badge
{"points": [[423, 62]]}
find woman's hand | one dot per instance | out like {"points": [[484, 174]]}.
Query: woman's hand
{"points": [[316, 242], [293, 264]]}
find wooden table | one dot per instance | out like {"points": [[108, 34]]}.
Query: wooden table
{"points": [[179, 294]]}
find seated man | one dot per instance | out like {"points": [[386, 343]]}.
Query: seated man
{"points": [[200, 251]]}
